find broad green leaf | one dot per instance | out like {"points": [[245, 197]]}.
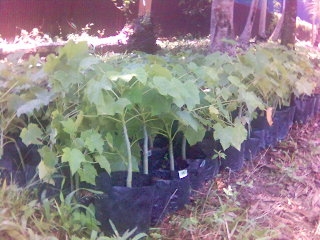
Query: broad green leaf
{"points": [[93, 140], [87, 173], [139, 72], [32, 134], [156, 70], [96, 86], [42, 98], [75, 50], [69, 126], [103, 163], [46, 172], [187, 119], [193, 136], [182, 93], [230, 135], [134, 94], [74, 157], [236, 82], [88, 62], [66, 79], [251, 100], [48, 157], [96, 95], [156, 103], [117, 106], [114, 75], [191, 94], [109, 139]]}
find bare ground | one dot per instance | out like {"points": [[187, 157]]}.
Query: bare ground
{"points": [[275, 196]]}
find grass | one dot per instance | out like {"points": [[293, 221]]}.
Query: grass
{"points": [[23, 217]]}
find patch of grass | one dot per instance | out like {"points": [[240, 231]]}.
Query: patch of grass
{"points": [[216, 214], [23, 217]]}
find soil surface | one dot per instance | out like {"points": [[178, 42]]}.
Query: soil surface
{"points": [[275, 196]]}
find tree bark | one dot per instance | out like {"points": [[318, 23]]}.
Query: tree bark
{"points": [[145, 7], [221, 26], [288, 33], [263, 19], [276, 32], [246, 33]]}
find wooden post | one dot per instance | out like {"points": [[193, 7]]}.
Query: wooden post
{"points": [[144, 7]]}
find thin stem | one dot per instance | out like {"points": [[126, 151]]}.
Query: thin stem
{"points": [[145, 150], [1, 142], [171, 156], [184, 148], [128, 146]]}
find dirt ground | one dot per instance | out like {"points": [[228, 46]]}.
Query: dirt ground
{"points": [[275, 196]]}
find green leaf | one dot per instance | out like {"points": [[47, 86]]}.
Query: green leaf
{"points": [[88, 62], [109, 139], [187, 119], [46, 172], [230, 135], [103, 162], [69, 126], [48, 157], [141, 74], [251, 100], [156, 103], [180, 92], [114, 75], [98, 95], [66, 78], [93, 140], [88, 173], [193, 136], [74, 157], [117, 106], [42, 98], [96, 86], [134, 94], [75, 50], [32, 134], [156, 70]]}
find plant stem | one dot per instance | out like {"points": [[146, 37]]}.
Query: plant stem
{"points": [[171, 156], [128, 146], [145, 150], [1, 143], [150, 142], [184, 148]]}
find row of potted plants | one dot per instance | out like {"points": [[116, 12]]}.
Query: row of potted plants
{"points": [[156, 122]]}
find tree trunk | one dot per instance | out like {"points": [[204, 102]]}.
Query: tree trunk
{"points": [[221, 27], [276, 32], [246, 33], [263, 19], [288, 33], [145, 7], [313, 9]]}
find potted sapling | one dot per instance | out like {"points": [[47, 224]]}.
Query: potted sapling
{"points": [[122, 205]]}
